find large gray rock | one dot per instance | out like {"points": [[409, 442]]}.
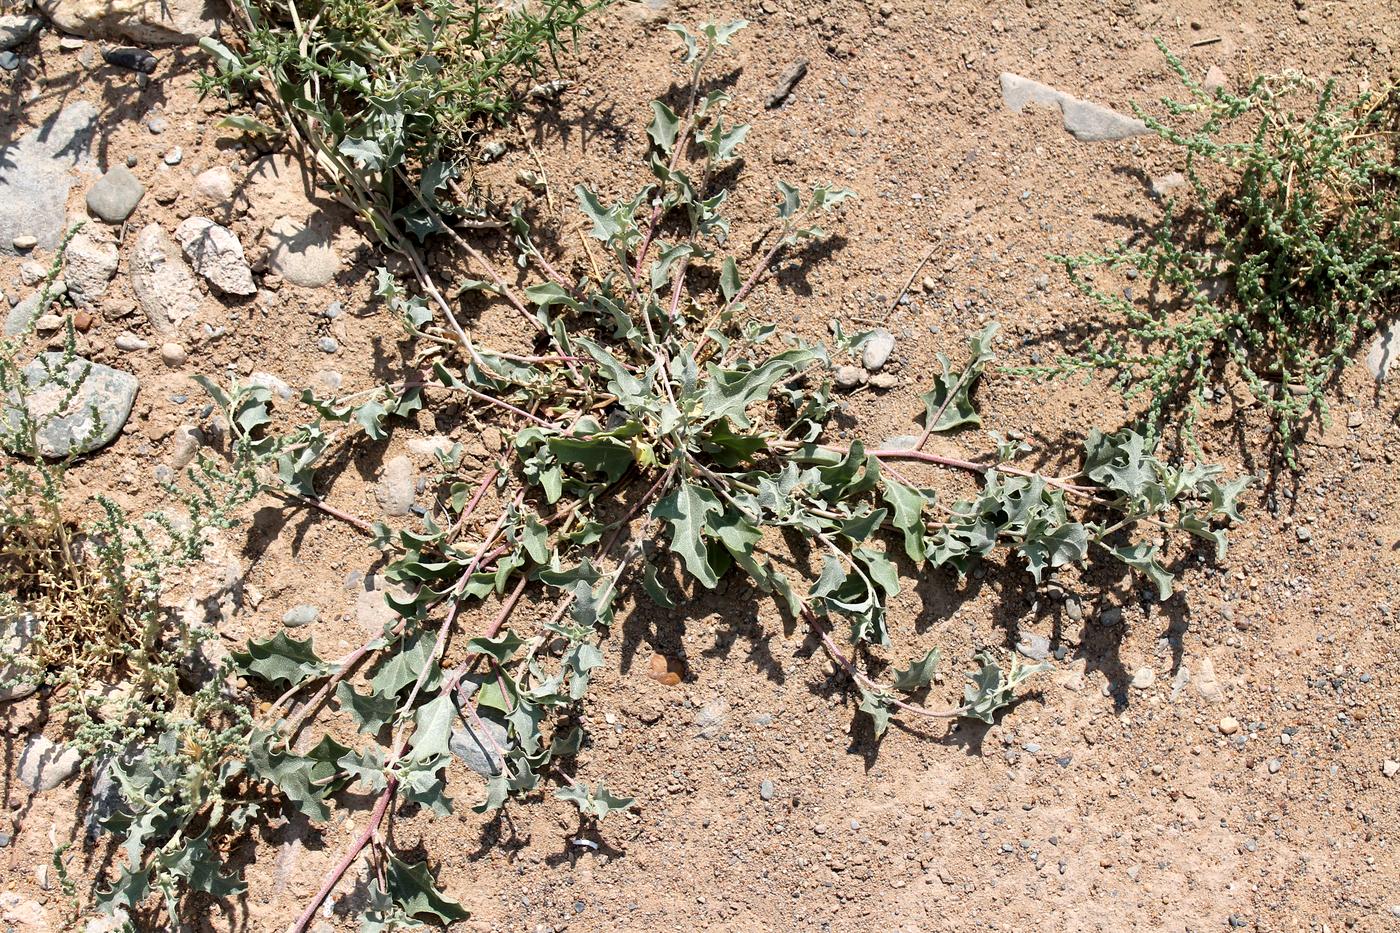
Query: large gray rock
{"points": [[17, 30], [162, 282], [302, 254], [1087, 122], [148, 22], [88, 266], [43, 765], [16, 633], [78, 407], [115, 195], [36, 173], [217, 255]]}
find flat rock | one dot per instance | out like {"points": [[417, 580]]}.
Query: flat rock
{"points": [[1087, 122], [216, 254], [22, 915], [148, 22], [162, 282], [89, 264], [115, 195], [1036, 647], [87, 420], [302, 254], [17, 30], [44, 765], [35, 176], [1380, 359], [21, 316], [16, 632], [480, 747], [395, 491]]}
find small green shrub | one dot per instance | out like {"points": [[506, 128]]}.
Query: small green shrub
{"points": [[1284, 254], [391, 97]]}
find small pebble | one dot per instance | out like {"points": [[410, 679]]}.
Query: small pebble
{"points": [[327, 345], [765, 790], [1229, 725], [24, 241], [129, 342], [174, 156], [157, 125], [172, 354], [1144, 677], [1390, 768], [1274, 765]]}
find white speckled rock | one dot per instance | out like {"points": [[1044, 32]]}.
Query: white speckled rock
{"points": [[162, 281], [217, 255]]}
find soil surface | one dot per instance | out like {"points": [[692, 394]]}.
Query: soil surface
{"points": [[1110, 798]]}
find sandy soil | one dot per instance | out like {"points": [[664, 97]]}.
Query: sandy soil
{"points": [[1093, 805]]}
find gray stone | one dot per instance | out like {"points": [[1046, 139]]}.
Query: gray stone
{"points": [[302, 254], [327, 345], [44, 765], [849, 377], [765, 789], [162, 282], [35, 175], [89, 264], [115, 195], [297, 616], [10, 61], [1036, 647], [480, 747], [876, 352], [395, 487], [93, 415], [1144, 677], [709, 719], [17, 30], [884, 381], [16, 632], [1087, 122], [217, 255], [1384, 349], [129, 342], [149, 22], [23, 315]]}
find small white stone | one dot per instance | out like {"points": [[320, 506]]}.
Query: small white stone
{"points": [[172, 354], [129, 342], [1390, 768], [1144, 677]]}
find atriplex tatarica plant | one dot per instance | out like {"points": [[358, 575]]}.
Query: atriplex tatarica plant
{"points": [[659, 431]]}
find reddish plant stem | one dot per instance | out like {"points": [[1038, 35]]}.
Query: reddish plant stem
{"points": [[332, 511], [376, 816]]}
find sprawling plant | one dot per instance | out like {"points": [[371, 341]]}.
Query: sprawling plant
{"points": [[1282, 256], [659, 433]]}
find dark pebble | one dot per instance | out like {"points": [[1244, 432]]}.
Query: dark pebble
{"points": [[125, 56]]}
